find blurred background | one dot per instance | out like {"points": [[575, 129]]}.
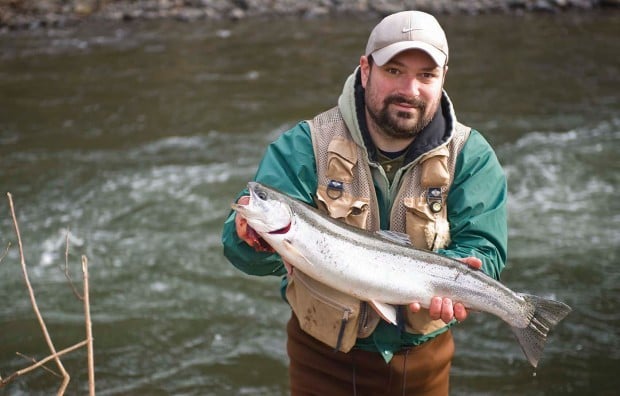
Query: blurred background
{"points": [[134, 138]]}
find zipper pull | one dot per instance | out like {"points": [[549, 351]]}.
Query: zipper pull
{"points": [[343, 323]]}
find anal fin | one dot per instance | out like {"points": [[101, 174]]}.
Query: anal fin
{"points": [[386, 311]]}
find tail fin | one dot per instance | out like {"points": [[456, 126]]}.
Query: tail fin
{"points": [[546, 314]]}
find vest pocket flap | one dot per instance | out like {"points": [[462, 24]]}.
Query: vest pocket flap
{"points": [[419, 208], [345, 148], [434, 171], [341, 158], [325, 313], [353, 211]]}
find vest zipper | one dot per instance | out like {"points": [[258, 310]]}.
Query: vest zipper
{"points": [[343, 324], [364, 315]]}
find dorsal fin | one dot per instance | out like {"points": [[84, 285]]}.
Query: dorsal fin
{"points": [[394, 236]]}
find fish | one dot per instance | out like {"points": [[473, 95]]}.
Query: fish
{"points": [[385, 270]]}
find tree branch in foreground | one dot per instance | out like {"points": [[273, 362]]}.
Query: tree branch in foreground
{"points": [[54, 355]]}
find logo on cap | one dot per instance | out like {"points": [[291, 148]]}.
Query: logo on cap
{"points": [[411, 29]]}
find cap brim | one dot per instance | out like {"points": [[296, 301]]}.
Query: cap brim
{"points": [[383, 55]]}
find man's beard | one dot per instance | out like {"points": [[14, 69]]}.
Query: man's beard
{"points": [[393, 124]]}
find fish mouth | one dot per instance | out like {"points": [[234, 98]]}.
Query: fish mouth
{"points": [[282, 230]]}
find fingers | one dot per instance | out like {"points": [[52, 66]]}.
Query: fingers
{"points": [[247, 233], [473, 262], [244, 200], [241, 224], [415, 307], [289, 267], [460, 313], [441, 308], [435, 308], [444, 309]]}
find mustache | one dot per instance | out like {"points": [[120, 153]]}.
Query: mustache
{"points": [[411, 101]]}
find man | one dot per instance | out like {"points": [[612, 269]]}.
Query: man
{"points": [[391, 155]]}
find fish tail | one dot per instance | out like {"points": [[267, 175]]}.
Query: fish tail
{"points": [[546, 314]]}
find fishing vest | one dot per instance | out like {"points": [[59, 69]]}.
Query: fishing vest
{"points": [[346, 192]]}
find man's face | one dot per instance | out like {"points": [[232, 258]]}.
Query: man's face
{"points": [[403, 95]]}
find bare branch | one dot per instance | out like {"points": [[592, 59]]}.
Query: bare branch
{"points": [[55, 356], [89, 331], [33, 360], [40, 363], [6, 251], [75, 292], [50, 344]]}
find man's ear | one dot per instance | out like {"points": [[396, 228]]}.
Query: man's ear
{"points": [[364, 69]]}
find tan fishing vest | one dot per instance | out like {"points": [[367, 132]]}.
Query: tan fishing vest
{"points": [[346, 192]]}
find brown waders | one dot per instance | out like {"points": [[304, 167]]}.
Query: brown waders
{"points": [[316, 369]]}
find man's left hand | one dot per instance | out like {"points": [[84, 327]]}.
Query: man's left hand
{"points": [[442, 307]]}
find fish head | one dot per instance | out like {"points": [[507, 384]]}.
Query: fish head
{"points": [[266, 212]]}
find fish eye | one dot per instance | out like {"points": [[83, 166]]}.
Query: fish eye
{"points": [[262, 195]]}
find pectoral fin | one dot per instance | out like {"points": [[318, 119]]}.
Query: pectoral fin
{"points": [[386, 311], [293, 256]]}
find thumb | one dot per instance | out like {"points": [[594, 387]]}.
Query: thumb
{"points": [[473, 262], [241, 223]]}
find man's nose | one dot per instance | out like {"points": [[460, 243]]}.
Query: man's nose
{"points": [[411, 87]]}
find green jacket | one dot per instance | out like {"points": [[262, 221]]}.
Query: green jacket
{"points": [[476, 207]]}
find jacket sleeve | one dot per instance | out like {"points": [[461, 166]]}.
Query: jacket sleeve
{"points": [[477, 207], [289, 166]]}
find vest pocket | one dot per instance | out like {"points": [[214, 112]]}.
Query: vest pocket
{"points": [[427, 230], [323, 312], [354, 211], [341, 158]]}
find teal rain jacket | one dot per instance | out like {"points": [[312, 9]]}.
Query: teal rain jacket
{"points": [[476, 211]]}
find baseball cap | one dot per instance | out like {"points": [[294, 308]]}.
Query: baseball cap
{"points": [[407, 30]]}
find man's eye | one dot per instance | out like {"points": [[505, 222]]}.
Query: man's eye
{"points": [[392, 70]]}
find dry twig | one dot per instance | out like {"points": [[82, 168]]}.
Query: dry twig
{"points": [[33, 301], [6, 251], [41, 362], [55, 356], [77, 294], [33, 360], [89, 331]]}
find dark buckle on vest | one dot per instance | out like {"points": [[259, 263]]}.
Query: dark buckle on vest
{"points": [[335, 189], [434, 199]]}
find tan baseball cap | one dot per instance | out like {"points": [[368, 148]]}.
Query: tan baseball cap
{"points": [[407, 30]]}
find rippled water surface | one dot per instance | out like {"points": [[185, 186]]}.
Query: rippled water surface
{"points": [[135, 137]]}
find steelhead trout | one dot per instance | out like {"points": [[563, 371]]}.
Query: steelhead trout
{"points": [[383, 268]]}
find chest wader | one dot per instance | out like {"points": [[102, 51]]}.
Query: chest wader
{"points": [[346, 192]]}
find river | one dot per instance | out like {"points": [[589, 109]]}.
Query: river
{"points": [[134, 138]]}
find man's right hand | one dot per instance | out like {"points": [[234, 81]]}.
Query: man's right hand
{"points": [[247, 233]]}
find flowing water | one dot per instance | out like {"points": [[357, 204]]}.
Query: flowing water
{"points": [[133, 139]]}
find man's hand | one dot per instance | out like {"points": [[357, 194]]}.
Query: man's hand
{"points": [[443, 308], [247, 233]]}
